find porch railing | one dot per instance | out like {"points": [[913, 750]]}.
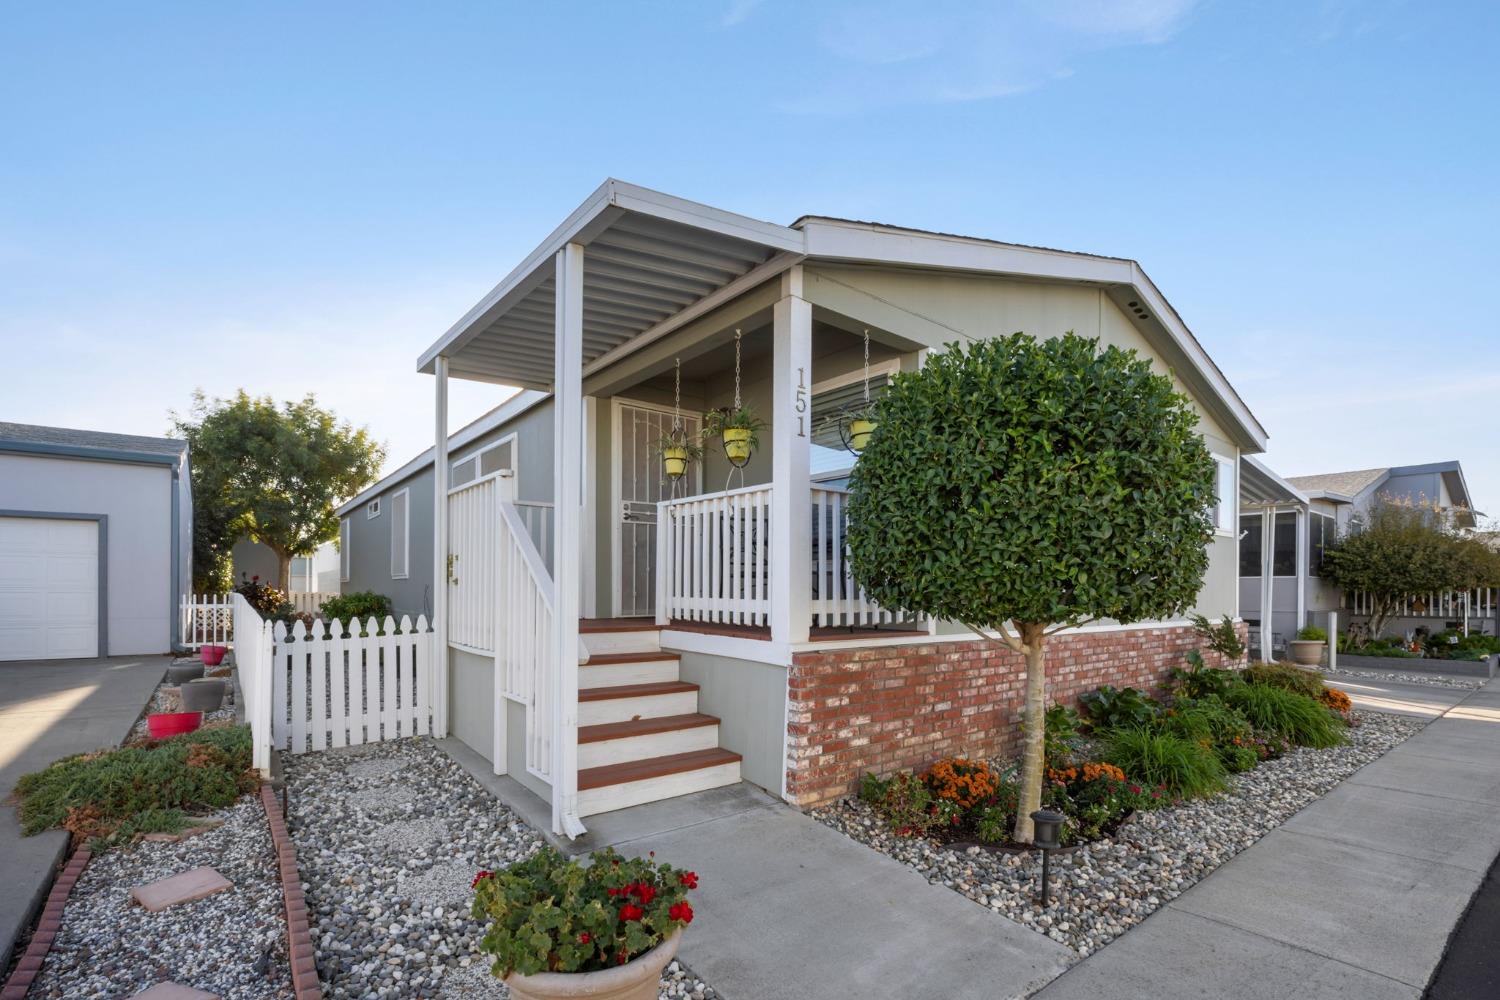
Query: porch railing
{"points": [[713, 557], [1482, 602], [537, 516], [837, 599], [308, 602]]}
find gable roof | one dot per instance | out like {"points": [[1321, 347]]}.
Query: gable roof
{"points": [[67, 442], [1347, 484]]}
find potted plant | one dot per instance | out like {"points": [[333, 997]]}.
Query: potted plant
{"points": [[677, 450], [1307, 648], [602, 930], [739, 429], [861, 426], [212, 656]]}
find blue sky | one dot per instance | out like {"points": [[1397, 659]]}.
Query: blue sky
{"points": [[301, 197]]}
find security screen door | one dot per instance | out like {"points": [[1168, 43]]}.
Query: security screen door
{"points": [[639, 484]]}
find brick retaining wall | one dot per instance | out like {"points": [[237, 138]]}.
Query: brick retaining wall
{"points": [[888, 708]]}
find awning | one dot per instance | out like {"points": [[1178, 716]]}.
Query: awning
{"points": [[650, 260], [1260, 486]]}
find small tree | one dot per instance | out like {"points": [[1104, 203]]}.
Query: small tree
{"points": [[1022, 487], [274, 473], [1404, 547]]}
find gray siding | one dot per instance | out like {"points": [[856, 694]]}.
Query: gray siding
{"points": [[750, 700]]}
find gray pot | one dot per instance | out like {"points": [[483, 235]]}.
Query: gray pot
{"points": [[181, 673], [203, 695]]}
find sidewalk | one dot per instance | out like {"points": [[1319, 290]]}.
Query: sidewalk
{"points": [[1355, 896]]}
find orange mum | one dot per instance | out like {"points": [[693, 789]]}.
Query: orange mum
{"points": [[1336, 700], [961, 781]]}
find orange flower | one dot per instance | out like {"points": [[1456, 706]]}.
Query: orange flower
{"points": [[961, 781], [1336, 700]]}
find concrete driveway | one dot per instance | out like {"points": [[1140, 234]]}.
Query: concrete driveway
{"points": [[50, 709]]}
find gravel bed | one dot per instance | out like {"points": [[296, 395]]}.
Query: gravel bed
{"points": [[232, 943], [1104, 888], [1431, 680], [389, 836], [166, 699]]}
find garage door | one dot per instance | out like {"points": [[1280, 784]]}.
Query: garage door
{"points": [[49, 588]]}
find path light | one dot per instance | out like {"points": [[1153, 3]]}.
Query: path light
{"points": [[1047, 835]]}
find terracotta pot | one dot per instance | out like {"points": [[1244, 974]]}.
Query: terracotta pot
{"points": [[737, 443], [164, 724], [213, 655], [1307, 652], [637, 979], [674, 461], [860, 430]]}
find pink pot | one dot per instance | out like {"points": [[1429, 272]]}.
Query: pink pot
{"points": [[213, 655], [164, 724]]}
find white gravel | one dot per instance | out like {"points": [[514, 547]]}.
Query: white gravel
{"points": [[389, 836], [1104, 888], [232, 943], [1431, 680], [166, 699]]}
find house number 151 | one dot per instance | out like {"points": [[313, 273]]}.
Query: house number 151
{"points": [[800, 405]]}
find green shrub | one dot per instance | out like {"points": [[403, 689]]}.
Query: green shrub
{"points": [[1300, 719], [1119, 708], [1480, 643], [1312, 634], [1287, 677], [1061, 737], [362, 604], [1238, 758], [906, 803], [1181, 768], [1198, 680], [1222, 637], [111, 795]]}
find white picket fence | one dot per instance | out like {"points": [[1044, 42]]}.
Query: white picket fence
{"points": [[252, 657], [206, 620], [309, 602], [1483, 602]]}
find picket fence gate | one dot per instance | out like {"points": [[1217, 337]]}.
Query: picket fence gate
{"points": [[206, 620], [331, 689]]}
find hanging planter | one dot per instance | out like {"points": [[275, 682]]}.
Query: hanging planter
{"points": [[677, 452], [858, 423], [738, 431]]}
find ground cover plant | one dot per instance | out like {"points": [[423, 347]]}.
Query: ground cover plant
{"points": [[109, 796], [1303, 720]]}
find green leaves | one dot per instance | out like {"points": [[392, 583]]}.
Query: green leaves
{"points": [[1023, 480]]}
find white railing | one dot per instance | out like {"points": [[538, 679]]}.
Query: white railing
{"points": [[525, 664], [1483, 602], [206, 620], [538, 517], [252, 665], [472, 520], [308, 602], [837, 599], [713, 557], [336, 685]]}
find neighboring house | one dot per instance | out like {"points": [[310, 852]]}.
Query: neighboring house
{"points": [[721, 634], [1353, 493], [96, 535], [317, 573]]}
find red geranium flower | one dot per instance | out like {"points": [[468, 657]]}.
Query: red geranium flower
{"points": [[681, 911], [689, 880], [585, 937], [480, 878], [644, 892], [630, 912]]}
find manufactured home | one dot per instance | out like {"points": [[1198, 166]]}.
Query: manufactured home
{"points": [[609, 635]]}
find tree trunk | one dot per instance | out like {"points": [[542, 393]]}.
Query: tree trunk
{"points": [[1034, 728], [283, 572], [1380, 614]]}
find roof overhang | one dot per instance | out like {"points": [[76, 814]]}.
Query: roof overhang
{"points": [[651, 263], [1260, 487], [122, 455]]}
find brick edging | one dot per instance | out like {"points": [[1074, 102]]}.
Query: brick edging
{"points": [[305, 984], [47, 927]]}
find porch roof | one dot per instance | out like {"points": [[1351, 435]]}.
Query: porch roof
{"points": [[653, 262], [1259, 486]]}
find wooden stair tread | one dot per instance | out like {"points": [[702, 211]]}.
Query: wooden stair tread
{"points": [[653, 767], [644, 727], [635, 690], [605, 659], [593, 625]]}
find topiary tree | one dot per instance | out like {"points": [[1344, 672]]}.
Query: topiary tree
{"points": [[1022, 487]]}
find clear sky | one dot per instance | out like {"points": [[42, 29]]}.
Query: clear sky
{"points": [[301, 197]]}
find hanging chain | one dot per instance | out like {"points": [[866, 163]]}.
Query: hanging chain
{"points": [[736, 368], [867, 366], [677, 400]]}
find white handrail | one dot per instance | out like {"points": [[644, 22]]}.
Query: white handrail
{"points": [[525, 661]]}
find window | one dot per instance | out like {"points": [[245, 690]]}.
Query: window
{"points": [[1250, 545], [485, 462], [400, 535], [1284, 549], [301, 575], [1224, 495], [1320, 534], [829, 400], [344, 554], [372, 509]]}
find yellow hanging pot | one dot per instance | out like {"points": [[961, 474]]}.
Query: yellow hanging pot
{"points": [[860, 429], [737, 443], [674, 460]]}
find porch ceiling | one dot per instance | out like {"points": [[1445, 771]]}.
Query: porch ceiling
{"points": [[1259, 486], [648, 258]]}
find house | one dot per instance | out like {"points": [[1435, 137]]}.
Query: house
{"points": [[1352, 494], [314, 574], [95, 542], [652, 637]]}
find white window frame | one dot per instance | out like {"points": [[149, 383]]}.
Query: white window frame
{"points": [[888, 368], [372, 509], [1227, 509], [405, 496], [345, 553], [515, 458]]}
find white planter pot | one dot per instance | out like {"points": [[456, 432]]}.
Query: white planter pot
{"points": [[637, 979]]}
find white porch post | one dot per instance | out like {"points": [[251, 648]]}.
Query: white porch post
{"points": [[1302, 556], [567, 424], [791, 495], [440, 551], [1267, 583]]}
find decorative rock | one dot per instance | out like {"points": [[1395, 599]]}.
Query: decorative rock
{"points": [[174, 991], [185, 888]]}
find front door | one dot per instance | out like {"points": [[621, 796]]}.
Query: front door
{"points": [[638, 484]]}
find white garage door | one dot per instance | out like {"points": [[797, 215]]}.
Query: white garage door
{"points": [[49, 588]]}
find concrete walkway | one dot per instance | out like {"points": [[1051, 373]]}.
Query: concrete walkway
{"points": [[51, 709], [789, 909], [1354, 896]]}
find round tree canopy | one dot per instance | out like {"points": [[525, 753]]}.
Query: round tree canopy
{"points": [[1033, 481]]}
